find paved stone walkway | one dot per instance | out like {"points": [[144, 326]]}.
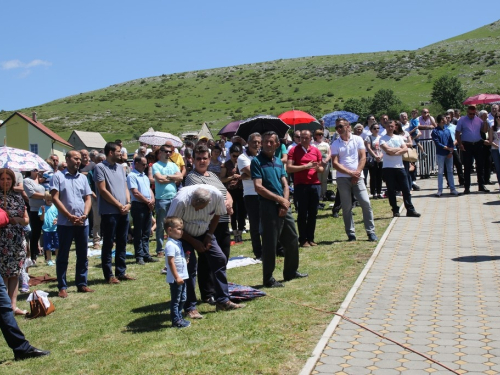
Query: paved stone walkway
{"points": [[434, 286]]}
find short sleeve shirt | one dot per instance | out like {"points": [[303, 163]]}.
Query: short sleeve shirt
{"points": [[168, 190], [51, 213], [116, 183], [139, 181], [470, 128], [392, 161], [173, 248], [301, 156], [270, 171], [244, 160], [72, 191], [347, 152]]}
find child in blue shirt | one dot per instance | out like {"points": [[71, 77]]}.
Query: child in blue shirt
{"points": [[177, 272], [48, 214]]}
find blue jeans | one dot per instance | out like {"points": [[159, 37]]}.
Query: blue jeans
{"points": [[10, 330], [68, 233], [142, 219], [445, 163], [177, 299], [307, 202], [114, 226], [161, 209], [217, 262]]}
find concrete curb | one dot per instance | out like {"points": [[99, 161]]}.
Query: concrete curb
{"points": [[327, 334]]}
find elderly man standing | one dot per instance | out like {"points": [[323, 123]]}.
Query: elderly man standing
{"points": [[71, 195], [470, 142], [143, 203], [444, 152], [166, 175], [268, 175], [348, 158], [200, 206], [114, 205], [304, 161]]}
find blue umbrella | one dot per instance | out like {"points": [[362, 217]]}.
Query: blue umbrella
{"points": [[331, 117]]}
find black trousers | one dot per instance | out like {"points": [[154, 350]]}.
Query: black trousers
{"points": [[473, 151]]}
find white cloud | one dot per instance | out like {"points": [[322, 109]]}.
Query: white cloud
{"points": [[16, 64]]}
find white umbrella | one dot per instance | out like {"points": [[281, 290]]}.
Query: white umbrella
{"points": [[21, 160], [156, 138]]}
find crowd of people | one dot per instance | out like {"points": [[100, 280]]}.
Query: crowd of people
{"points": [[197, 199]]}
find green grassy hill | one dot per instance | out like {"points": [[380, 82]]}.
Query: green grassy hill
{"points": [[319, 84]]}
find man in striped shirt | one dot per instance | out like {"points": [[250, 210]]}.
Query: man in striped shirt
{"points": [[200, 207]]}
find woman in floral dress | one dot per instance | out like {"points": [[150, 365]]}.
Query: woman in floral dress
{"points": [[12, 241]]}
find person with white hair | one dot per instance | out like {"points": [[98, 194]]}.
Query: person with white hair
{"points": [[200, 206]]}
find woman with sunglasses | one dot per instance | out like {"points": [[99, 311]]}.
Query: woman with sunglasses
{"points": [[374, 161], [231, 178]]}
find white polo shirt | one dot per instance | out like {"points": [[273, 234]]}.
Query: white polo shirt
{"points": [[244, 160], [347, 152]]}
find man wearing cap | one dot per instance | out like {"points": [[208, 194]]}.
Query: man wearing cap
{"points": [[470, 142]]}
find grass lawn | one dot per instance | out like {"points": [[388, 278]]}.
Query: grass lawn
{"points": [[125, 328]]}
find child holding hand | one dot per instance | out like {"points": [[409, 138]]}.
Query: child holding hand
{"points": [[177, 273]]}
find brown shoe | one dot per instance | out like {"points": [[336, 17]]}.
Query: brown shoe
{"points": [[228, 306], [62, 293], [84, 289], [312, 243], [161, 254], [113, 280], [126, 277], [194, 314], [305, 244]]}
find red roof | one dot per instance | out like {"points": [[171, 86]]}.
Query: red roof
{"points": [[43, 129]]}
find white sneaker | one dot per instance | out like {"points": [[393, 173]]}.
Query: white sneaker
{"points": [[438, 194]]}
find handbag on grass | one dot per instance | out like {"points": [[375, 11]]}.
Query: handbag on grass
{"points": [[40, 305], [411, 155]]}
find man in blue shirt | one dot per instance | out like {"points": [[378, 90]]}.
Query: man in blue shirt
{"points": [[166, 174], [71, 195], [143, 203], [444, 153], [268, 175], [470, 142]]}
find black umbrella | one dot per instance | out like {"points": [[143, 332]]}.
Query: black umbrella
{"points": [[229, 129], [261, 124]]}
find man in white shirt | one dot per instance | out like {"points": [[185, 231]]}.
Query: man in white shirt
{"points": [[348, 158], [250, 196], [393, 146]]}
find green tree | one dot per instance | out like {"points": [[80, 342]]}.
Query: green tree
{"points": [[448, 92], [360, 106], [384, 101]]}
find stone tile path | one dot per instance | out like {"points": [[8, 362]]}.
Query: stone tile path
{"points": [[434, 286]]}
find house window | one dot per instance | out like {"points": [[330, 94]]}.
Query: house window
{"points": [[34, 148]]}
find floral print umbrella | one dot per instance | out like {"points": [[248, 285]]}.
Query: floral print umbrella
{"points": [[21, 160]]}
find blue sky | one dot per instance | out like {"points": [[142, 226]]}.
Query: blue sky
{"points": [[53, 49]]}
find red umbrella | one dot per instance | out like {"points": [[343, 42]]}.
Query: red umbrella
{"points": [[482, 99], [295, 117]]}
